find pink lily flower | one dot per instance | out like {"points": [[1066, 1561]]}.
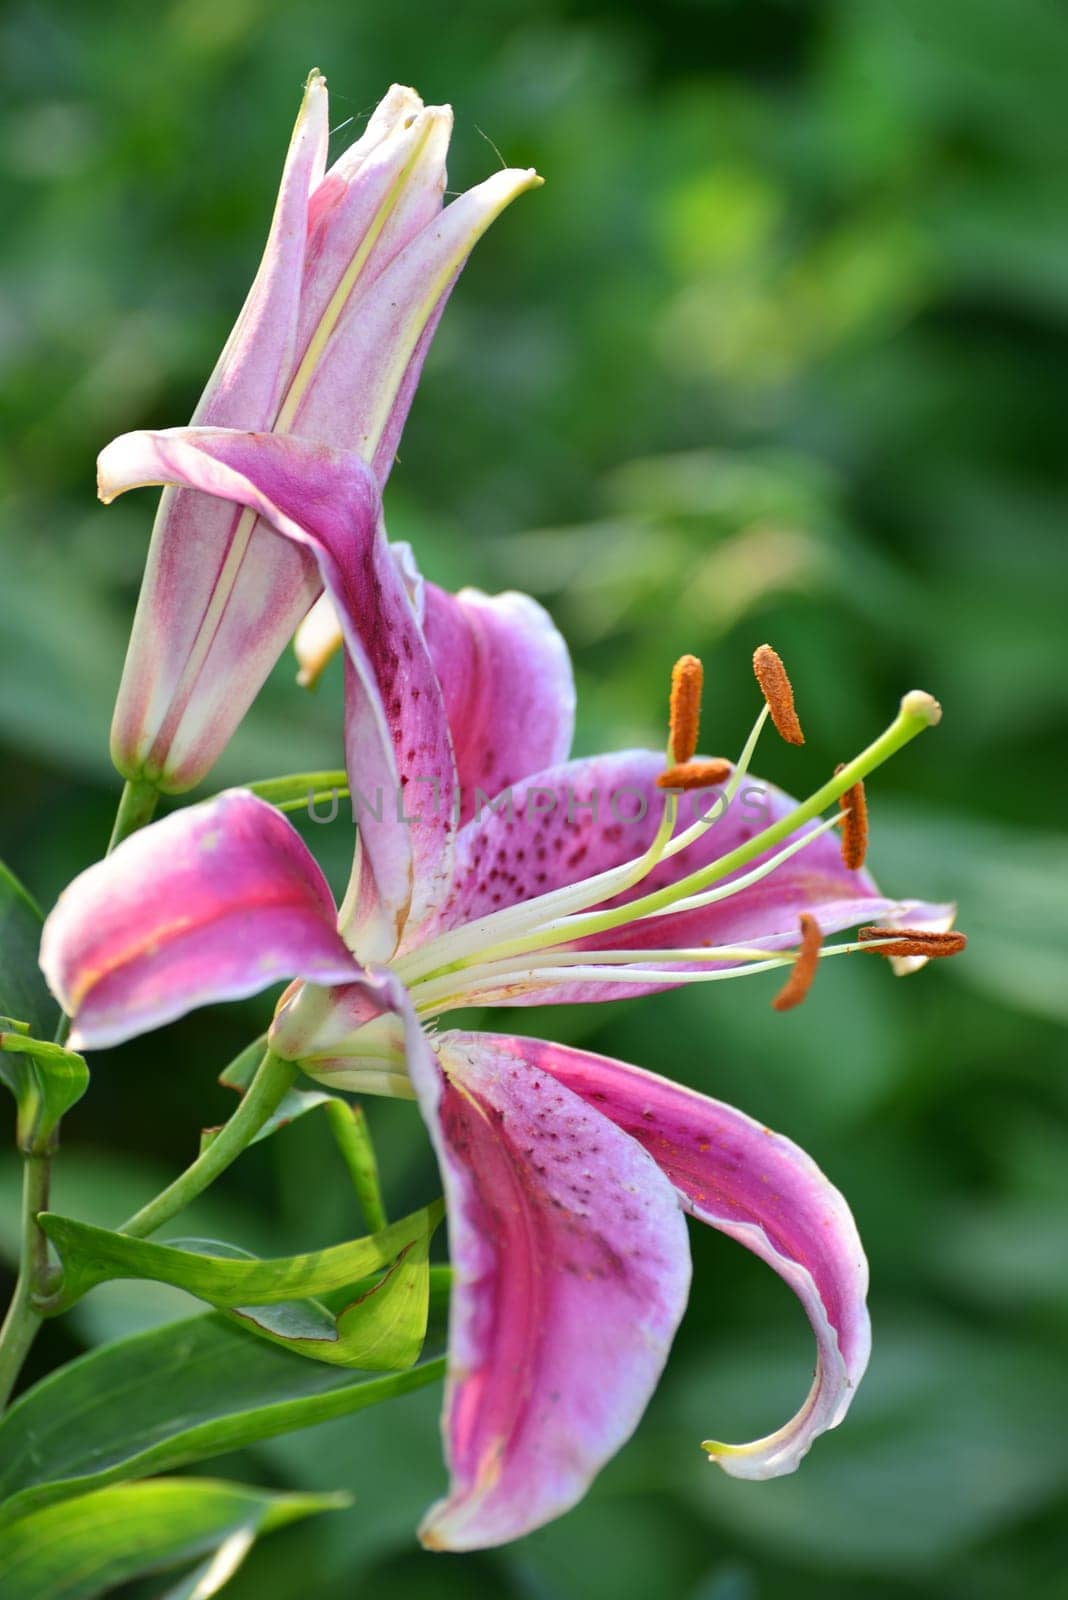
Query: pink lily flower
{"points": [[359, 263], [567, 1175]]}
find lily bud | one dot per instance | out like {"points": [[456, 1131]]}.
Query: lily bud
{"points": [[329, 345]]}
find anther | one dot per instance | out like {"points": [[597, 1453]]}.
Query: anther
{"points": [[695, 775], [687, 681], [804, 968], [914, 941], [854, 808], [777, 691]]}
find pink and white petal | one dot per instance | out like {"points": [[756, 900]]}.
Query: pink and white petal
{"points": [[398, 748], [187, 683], [758, 1187], [213, 903], [508, 685], [375, 199], [571, 1272], [258, 359], [505, 674], [385, 330], [589, 815]]}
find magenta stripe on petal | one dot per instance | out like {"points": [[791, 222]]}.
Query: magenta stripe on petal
{"points": [[571, 1273], [212, 903], [759, 1188], [397, 740]]}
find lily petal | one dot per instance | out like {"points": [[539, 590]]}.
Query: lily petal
{"points": [[212, 903], [508, 686], [586, 816], [385, 331], [397, 739], [382, 191], [571, 1273], [505, 675], [750, 1183]]}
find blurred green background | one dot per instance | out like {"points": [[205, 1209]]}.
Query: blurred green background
{"points": [[778, 352]]}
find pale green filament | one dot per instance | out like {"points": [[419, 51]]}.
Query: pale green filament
{"points": [[490, 932], [476, 985], [917, 713]]}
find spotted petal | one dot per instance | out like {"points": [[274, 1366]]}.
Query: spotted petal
{"points": [[750, 1183], [505, 676], [571, 1274], [326, 502], [588, 816], [212, 903]]}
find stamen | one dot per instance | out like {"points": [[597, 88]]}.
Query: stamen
{"points": [[913, 941], [695, 775], [804, 968], [687, 681], [854, 808], [778, 692]]}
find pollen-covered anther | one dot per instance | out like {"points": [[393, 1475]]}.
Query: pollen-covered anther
{"points": [[695, 775], [854, 808], [914, 941], [687, 681], [804, 968], [777, 690]]}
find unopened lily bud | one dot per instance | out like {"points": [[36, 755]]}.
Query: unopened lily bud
{"points": [[329, 346]]}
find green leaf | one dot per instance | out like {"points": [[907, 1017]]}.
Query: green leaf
{"points": [[100, 1540], [159, 1400], [91, 1255], [46, 1081], [382, 1330], [301, 789], [23, 991]]}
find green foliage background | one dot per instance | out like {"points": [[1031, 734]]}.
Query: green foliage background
{"points": [[778, 352]]}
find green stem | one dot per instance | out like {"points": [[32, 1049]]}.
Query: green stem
{"points": [[22, 1321], [349, 1126], [136, 806], [272, 1081]]}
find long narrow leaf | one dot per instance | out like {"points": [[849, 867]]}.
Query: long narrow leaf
{"points": [[99, 1540], [159, 1400]]}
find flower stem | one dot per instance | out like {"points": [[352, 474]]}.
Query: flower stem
{"points": [[136, 806], [349, 1126], [271, 1083], [22, 1321]]}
